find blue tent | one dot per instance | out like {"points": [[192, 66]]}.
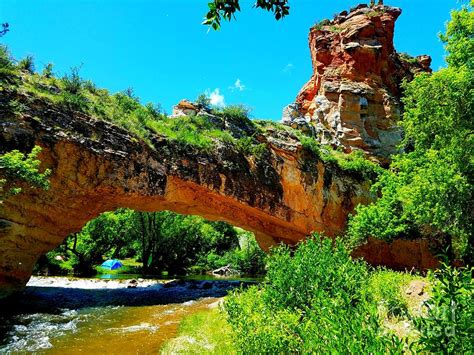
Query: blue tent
{"points": [[112, 264]]}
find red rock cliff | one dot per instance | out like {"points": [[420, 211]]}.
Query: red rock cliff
{"points": [[353, 97]]}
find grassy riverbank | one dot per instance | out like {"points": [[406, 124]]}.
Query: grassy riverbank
{"points": [[206, 332], [397, 296]]}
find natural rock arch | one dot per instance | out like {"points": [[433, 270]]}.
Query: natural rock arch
{"points": [[98, 167], [283, 196]]}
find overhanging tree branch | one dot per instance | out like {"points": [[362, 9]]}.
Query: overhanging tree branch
{"points": [[226, 9]]}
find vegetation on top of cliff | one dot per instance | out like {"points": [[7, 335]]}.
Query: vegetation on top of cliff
{"points": [[228, 125], [124, 109], [407, 58], [428, 190], [18, 167]]}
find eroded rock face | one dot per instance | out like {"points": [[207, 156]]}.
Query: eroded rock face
{"points": [[351, 100], [281, 197], [99, 167], [353, 97]]}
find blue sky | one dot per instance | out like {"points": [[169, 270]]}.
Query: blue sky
{"points": [[161, 50]]}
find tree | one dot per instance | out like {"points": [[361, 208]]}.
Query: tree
{"points": [[107, 234], [16, 166], [429, 188], [226, 9]]}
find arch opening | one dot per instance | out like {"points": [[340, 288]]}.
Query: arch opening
{"points": [[154, 245]]}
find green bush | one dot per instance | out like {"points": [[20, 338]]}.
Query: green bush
{"points": [[249, 146], [258, 328], [72, 82], [236, 112], [74, 102], [313, 300], [447, 327], [358, 163], [8, 70], [237, 116], [386, 287], [408, 58], [311, 145], [27, 64], [16, 166], [48, 71], [203, 102]]}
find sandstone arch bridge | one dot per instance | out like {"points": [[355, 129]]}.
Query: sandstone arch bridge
{"points": [[99, 167], [351, 100]]}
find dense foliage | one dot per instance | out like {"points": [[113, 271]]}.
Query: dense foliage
{"points": [[428, 190], [161, 241], [16, 166], [314, 300], [447, 326]]}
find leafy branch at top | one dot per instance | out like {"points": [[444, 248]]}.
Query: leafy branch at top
{"points": [[226, 9], [5, 29]]}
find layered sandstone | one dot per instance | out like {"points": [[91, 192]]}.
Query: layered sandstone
{"points": [[352, 100], [281, 197], [353, 97]]}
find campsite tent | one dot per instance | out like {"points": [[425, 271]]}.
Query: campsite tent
{"points": [[112, 264]]}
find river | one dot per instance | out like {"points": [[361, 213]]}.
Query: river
{"points": [[69, 315]]}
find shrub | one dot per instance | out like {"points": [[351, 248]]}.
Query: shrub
{"points": [[356, 162], [237, 112], [248, 146], [74, 102], [48, 71], [311, 145], [72, 83], [90, 86], [386, 287], [16, 166], [203, 102], [237, 115], [8, 70], [127, 101], [408, 58], [314, 299], [27, 64], [257, 328], [447, 325]]}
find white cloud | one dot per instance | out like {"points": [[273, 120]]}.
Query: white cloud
{"points": [[288, 68], [217, 99], [237, 86]]}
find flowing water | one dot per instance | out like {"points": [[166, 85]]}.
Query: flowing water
{"points": [[61, 315]]}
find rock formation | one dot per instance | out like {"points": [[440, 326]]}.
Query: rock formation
{"points": [[185, 108], [282, 196], [353, 97], [99, 167]]}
